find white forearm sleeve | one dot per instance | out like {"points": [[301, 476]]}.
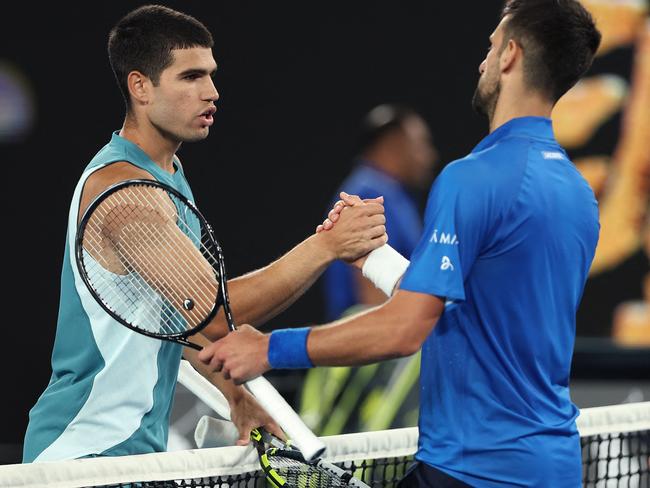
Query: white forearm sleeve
{"points": [[384, 267]]}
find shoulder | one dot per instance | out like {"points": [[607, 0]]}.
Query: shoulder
{"points": [[486, 181], [113, 173], [108, 176], [498, 168]]}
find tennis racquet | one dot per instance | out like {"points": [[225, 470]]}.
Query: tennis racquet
{"points": [[283, 465], [152, 262]]}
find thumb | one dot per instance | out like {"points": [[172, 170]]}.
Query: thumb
{"points": [[379, 199], [244, 438], [275, 429], [350, 200]]}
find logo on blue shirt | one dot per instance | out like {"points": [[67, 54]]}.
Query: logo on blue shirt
{"points": [[444, 238], [446, 264], [552, 155]]}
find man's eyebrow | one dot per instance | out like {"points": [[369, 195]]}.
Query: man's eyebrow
{"points": [[196, 71]]}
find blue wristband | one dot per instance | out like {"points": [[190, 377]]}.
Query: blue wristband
{"points": [[288, 349]]}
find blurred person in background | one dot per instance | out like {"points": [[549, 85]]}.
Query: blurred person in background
{"points": [[395, 160]]}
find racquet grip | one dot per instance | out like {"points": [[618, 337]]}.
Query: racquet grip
{"points": [[268, 397]]}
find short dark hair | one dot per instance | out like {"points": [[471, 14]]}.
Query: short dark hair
{"points": [[143, 40], [381, 121], [559, 39]]}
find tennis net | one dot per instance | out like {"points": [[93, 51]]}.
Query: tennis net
{"points": [[615, 451]]}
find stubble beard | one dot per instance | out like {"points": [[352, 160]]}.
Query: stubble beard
{"points": [[486, 103]]}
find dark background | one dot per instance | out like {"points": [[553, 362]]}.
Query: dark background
{"points": [[294, 79]]}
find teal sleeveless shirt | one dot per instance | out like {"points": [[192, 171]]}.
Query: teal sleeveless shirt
{"points": [[111, 389]]}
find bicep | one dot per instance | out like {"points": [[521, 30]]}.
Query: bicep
{"points": [[416, 313], [424, 307]]}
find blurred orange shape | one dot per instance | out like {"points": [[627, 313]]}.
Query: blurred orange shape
{"points": [[618, 21], [584, 108], [594, 169], [631, 325]]}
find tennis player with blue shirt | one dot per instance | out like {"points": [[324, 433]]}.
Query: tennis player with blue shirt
{"points": [[492, 289]]}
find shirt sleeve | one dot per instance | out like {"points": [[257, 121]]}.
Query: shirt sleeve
{"points": [[455, 228]]}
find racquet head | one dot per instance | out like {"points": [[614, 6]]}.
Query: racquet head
{"points": [[151, 260], [286, 467]]}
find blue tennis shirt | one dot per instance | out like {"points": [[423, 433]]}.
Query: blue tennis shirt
{"points": [[403, 225], [510, 234]]}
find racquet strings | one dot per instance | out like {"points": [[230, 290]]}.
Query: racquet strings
{"points": [[300, 474], [281, 461], [149, 259]]}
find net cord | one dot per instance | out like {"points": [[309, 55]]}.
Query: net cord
{"points": [[627, 417], [201, 463]]}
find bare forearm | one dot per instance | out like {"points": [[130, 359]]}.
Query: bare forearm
{"points": [[396, 328], [245, 412], [378, 334], [368, 293], [260, 295]]}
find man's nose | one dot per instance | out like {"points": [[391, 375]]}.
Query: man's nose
{"points": [[212, 94], [481, 67]]}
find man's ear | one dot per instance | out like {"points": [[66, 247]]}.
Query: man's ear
{"points": [[509, 55], [139, 87]]}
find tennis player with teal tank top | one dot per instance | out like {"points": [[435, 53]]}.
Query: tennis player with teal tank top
{"points": [[111, 388], [94, 355]]}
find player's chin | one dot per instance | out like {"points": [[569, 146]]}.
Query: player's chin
{"points": [[197, 134]]}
